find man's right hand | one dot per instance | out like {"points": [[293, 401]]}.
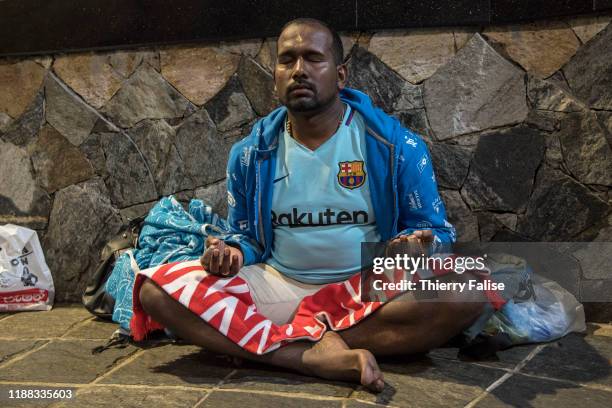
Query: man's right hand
{"points": [[221, 259]]}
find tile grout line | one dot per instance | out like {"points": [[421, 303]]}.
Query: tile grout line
{"points": [[600, 387], [21, 356], [77, 325], [374, 404], [122, 363], [85, 385], [280, 394], [52, 338], [506, 376], [216, 387]]}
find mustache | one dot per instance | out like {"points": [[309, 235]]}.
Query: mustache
{"points": [[298, 85]]}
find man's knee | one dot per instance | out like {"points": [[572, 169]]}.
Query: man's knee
{"points": [[461, 312], [150, 296]]}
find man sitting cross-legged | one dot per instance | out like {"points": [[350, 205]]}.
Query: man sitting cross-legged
{"points": [[313, 180]]}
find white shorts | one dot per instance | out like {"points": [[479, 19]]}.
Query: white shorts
{"points": [[276, 296]]}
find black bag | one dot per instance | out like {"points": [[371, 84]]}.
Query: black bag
{"points": [[95, 299]]}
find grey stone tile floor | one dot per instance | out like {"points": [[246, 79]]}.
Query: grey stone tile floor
{"points": [[52, 351]]}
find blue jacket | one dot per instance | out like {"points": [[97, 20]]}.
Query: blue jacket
{"points": [[400, 176]]}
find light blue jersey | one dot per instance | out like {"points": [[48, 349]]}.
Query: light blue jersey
{"points": [[321, 205]]}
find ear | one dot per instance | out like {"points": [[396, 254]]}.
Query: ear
{"points": [[342, 72]]}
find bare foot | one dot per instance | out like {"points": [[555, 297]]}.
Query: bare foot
{"points": [[332, 359]]}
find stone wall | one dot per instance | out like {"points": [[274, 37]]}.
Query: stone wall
{"points": [[518, 118]]}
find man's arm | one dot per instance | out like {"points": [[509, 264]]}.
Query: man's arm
{"points": [[420, 204]]}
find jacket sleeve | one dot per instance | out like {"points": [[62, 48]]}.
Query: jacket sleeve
{"points": [[242, 232], [420, 204]]}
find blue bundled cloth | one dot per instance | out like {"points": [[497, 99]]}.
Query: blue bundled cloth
{"points": [[169, 234]]}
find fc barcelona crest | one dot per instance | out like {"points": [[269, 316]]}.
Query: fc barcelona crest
{"points": [[351, 174]]}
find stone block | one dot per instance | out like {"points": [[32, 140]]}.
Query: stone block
{"points": [[173, 365], [504, 359], [387, 89], [214, 195], [145, 95], [414, 54], [460, 215], [492, 225], [587, 27], [478, 89], [597, 290], [13, 347], [43, 324], [82, 222], [267, 54], [523, 391], [451, 164], [278, 380], [230, 108], [540, 48], [203, 151], [589, 72], [24, 130], [415, 120], [126, 62], [57, 162], [101, 397], [135, 211], [430, 382], [503, 168], [155, 140], [235, 400], [585, 148], [67, 113], [559, 208], [20, 82], [550, 96], [92, 329], [242, 47], [116, 156], [22, 201], [580, 359], [258, 86], [90, 75], [80, 367], [198, 72]]}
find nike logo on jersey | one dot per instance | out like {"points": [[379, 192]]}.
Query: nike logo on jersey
{"points": [[280, 178]]}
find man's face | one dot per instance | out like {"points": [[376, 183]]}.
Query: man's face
{"points": [[306, 76]]}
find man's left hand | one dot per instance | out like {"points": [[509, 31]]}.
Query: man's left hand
{"points": [[415, 244]]}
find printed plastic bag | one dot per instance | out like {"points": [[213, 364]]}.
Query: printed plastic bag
{"points": [[25, 280], [549, 313]]}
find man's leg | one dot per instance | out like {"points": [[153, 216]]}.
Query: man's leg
{"points": [[329, 358], [406, 325]]}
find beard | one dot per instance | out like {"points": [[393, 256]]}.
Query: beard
{"points": [[307, 103]]}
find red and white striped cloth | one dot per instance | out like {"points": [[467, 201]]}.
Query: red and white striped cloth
{"points": [[227, 305]]}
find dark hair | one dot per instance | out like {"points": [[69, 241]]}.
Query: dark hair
{"points": [[337, 48]]}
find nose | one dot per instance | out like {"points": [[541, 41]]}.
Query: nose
{"points": [[298, 69]]}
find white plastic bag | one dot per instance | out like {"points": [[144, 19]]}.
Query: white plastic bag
{"points": [[25, 280], [548, 314]]}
